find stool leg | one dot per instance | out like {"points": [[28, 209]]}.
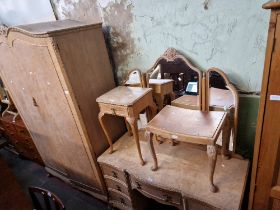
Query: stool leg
{"points": [[133, 124], [225, 139], [149, 137], [101, 120], [172, 96], [128, 128], [152, 110], [212, 156]]}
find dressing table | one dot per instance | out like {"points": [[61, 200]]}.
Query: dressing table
{"points": [[181, 181], [183, 173]]}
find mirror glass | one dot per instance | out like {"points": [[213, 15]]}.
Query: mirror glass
{"points": [[186, 80], [133, 78], [220, 95]]}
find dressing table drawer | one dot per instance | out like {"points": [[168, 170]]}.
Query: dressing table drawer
{"points": [[109, 172], [119, 199], [161, 195], [120, 186]]}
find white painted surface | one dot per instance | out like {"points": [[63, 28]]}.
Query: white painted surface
{"points": [[230, 35], [275, 97], [19, 12]]}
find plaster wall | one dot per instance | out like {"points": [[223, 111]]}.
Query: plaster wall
{"points": [[14, 12], [230, 35]]}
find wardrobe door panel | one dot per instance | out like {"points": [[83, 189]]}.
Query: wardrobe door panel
{"points": [[19, 82], [56, 120]]}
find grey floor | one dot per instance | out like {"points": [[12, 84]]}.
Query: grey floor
{"points": [[29, 173]]}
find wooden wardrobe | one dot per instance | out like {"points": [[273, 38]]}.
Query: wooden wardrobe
{"points": [[54, 72], [265, 179]]}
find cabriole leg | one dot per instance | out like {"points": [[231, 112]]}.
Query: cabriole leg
{"points": [[225, 139], [102, 123], [212, 156], [133, 124], [149, 137]]}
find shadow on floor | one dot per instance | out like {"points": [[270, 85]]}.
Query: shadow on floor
{"points": [[29, 173]]}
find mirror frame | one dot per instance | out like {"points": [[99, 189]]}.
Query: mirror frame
{"points": [[234, 93]]}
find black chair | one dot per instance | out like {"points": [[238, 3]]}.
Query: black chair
{"points": [[45, 200]]}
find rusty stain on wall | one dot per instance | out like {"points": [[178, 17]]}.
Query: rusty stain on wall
{"points": [[117, 16], [117, 19]]}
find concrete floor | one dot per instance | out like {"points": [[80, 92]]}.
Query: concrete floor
{"points": [[29, 173]]}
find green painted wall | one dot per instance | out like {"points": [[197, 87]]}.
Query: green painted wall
{"points": [[247, 121]]}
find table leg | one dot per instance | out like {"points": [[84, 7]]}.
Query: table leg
{"points": [[152, 111], [226, 138], [109, 139], [212, 156], [133, 124], [159, 99], [172, 96], [149, 137]]}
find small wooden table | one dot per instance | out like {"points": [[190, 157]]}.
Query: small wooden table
{"points": [[162, 88], [127, 102], [191, 126]]}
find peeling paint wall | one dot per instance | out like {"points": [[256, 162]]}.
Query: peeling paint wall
{"points": [[230, 35], [14, 12], [86, 10]]}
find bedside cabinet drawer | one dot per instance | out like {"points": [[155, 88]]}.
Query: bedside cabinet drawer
{"points": [[9, 127], [116, 184], [119, 199], [161, 195], [109, 171], [22, 131], [113, 109]]}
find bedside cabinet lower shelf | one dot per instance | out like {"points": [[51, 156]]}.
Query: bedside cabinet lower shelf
{"points": [[19, 137]]}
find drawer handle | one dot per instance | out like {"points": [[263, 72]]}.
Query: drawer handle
{"points": [[167, 198], [118, 188], [34, 102], [115, 174], [122, 201], [138, 185], [114, 111]]}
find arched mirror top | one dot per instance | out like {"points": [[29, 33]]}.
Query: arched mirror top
{"points": [[221, 95], [134, 78], [173, 65], [172, 57]]}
